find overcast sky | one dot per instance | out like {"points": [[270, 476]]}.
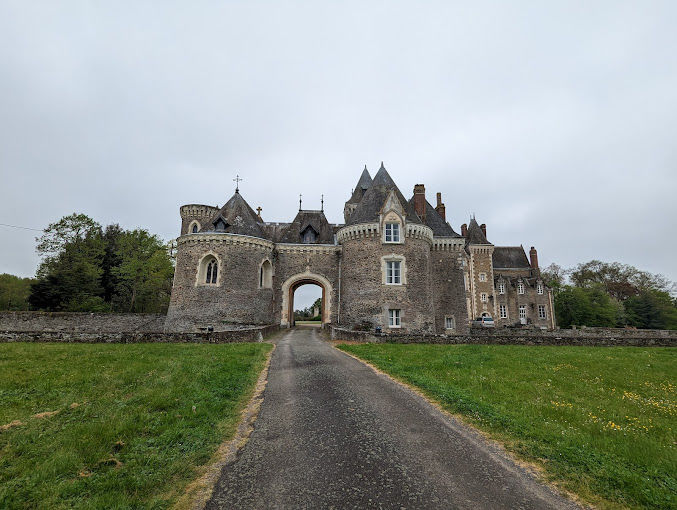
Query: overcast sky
{"points": [[555, 123]]}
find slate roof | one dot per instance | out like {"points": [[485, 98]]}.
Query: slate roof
{"points": [[316, 220], [510, 257], [361, 187], [433, 219], [475, 234], [370, 205], [239, 217]]}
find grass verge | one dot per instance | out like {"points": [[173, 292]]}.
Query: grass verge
{"points": [[116, 426], [599, 420]]}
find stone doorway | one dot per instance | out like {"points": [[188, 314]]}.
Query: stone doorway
{"points": [[289, 288]]}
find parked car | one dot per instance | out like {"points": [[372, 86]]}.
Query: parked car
{"points": [[483, 322]]}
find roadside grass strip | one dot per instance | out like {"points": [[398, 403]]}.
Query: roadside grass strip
{"points": [[600, 421], [116, 426]]}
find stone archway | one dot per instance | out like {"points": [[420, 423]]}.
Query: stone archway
{"points": [[291, 284]]}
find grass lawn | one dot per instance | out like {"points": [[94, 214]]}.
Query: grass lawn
{"points": [[599, 419], [131, 423]]}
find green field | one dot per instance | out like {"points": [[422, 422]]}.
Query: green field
{"points": [[598, 419], [131, 423]]}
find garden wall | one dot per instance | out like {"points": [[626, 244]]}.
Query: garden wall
{"points": [[584, 337], [81, 322]]}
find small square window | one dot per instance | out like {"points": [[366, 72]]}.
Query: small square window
{"points": [[483, 297], [503, 311], [392, 232], [449, 323], [394, 272], [394, 318], [483, 277], [541, 312]]}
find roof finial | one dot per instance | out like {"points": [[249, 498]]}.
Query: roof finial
{"points": [[258, 211], [300, 197], [365, 166], [237, 183], [322, 203], [382, 167]]}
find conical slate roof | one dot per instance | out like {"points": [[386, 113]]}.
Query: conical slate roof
{"points": [[370, 205], [236, 217], [362, 186], [475, 234]]}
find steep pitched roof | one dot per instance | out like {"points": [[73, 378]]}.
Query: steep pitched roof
{"points": [[475, 234], [433, 219], [370, 205], [304, 219], [238, 217], [510, 257], [362, 186]]}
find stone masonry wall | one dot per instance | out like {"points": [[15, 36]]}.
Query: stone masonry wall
{"points": [[448, 290], [81, 322]]}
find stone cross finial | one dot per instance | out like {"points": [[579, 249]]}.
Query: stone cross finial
{"points": [[300, 197], [258, 211], [237, 183]]}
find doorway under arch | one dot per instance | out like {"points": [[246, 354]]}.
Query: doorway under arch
{"points": [[296, 281]]}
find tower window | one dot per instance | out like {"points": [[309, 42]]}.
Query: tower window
{"points": [[393, 272], [212, 270], [394, 318], [483, 277], [483, 297], [392, 232], [501, 288], [520, 288], [194, 229]]}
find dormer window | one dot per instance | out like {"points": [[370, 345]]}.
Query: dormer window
{"points": [[539, 288], [220, 225], [309, 236], [392, 232], [501, 288], [520, 288]]}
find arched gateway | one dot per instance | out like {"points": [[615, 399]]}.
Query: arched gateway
{"points": [[295, 281]]}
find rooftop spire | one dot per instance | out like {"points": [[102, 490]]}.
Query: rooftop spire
{"points": [[237, 183]]}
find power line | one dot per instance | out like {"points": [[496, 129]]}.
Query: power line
{"points": [[22, 228]]}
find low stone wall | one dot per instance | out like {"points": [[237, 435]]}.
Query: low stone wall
{"points": [[252, 334], [81, 322], [582, 337]]}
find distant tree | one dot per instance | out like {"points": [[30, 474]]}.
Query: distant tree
{"points": [[652, 309], [592, 306], [144, 273], [620, 281], [554, 276], [14, 292]]}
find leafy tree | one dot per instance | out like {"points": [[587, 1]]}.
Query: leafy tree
{"points": [[576, 306], [620, 281], [144, 273], [554, 276], [14, 292]]}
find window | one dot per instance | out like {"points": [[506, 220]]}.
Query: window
{"points": [[523, 311], [449, 323], [541, 312], [501, 288], [194, 228], [309, 236], [393, 272], [483, 297], [539, 288], [266, 275], [503, 312], [520, 288], [394, 318], [392, 232], [212, 269], [483, 277], [465, 281]]}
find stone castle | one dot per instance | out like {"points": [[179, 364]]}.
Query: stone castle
{"points": [[395, 263]]}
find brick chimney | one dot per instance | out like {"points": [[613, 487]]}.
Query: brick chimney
{"points": [[441, 210], [533, 258], [419, 201], [483, 226], [464, 230]]}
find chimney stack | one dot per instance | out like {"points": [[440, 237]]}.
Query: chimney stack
{"points": [[533, 258], [464, 230], [419, 201], [483, 226], [441, 210]]}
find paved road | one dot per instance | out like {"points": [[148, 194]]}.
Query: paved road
{"points": [[332, 433]]}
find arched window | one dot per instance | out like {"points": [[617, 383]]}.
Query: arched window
{"points": [[194, 228], [208, 271], [212, 269], [266, 275]]}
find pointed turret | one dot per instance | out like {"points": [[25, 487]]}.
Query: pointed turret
{"points": [[237, 217], [476, 234], [369, 208]]}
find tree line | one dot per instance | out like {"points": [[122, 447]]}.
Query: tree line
{"points": [[611, 295], [88, 268]]}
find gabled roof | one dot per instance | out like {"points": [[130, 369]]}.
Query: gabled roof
{"points": [[239, 217], [362, 186], [510, 257], [433, 219], [370, 205], [304, 219], [475, 234]]}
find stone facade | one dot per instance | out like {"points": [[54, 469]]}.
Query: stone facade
{"points": [[394, 264]]}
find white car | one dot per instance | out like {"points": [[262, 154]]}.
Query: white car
{"points": [[483, 322]]}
